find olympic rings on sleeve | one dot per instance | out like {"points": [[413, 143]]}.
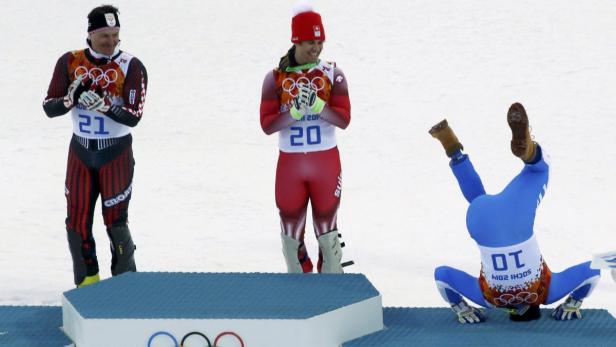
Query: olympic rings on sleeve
{"points": [[159, 333]]}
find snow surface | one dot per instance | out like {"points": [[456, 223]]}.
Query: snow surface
{"points": [[204, 183]]}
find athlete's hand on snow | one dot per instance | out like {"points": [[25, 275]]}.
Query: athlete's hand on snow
{"points": [[468, 314], [568, 310], [95, 100], [79, 86]]}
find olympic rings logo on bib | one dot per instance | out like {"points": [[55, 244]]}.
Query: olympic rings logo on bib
{"points": [[97, 74], [519, 298], [290, 85], [203, 336]]}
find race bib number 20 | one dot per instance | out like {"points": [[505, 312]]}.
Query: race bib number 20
{"points": [[305, 136]]}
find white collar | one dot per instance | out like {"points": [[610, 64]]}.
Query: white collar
{"points": [[101, 56]]}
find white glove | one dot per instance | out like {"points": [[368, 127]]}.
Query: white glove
{"points": [[468, 314], [94, 102], [306, 96], [75, 90], [568, 310]]}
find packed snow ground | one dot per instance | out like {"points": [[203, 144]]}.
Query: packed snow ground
{"points": [[204, 183]]}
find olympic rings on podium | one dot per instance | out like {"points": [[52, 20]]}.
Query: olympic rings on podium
{"points": [[228, 333], [159, 333], [209, 343]]}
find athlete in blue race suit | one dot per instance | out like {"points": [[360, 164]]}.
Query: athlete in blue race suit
{"points": [[514, 275]]}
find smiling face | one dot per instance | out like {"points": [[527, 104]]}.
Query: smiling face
{"points": [[105, 41], [308, 51]]}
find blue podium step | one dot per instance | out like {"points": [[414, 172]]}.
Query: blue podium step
{"points": [[262, 309], [28, 326], [168, 295]]}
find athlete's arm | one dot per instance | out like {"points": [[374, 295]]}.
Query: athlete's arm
{"points": [[338, 110], [272, 120], [135, 86], [53, 105]]}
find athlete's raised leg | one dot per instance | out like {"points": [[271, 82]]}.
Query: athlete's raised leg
{"points": [[461, 166], [525, 192]]}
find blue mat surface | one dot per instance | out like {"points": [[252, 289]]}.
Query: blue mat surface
{"points": [[31, 326], [169, 295], [439, 327]]}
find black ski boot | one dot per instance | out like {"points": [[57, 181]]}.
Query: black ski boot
{"points": [[122, 250]]}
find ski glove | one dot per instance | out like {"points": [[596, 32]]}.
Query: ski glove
{"points": [[75, 90], [94, 101], [309, 99], [468, 314], [306, 102], [568, 310]]}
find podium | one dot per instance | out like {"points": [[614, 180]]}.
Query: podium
{"points": [[229, 309]]}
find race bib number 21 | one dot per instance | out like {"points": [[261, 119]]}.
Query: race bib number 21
{"points": [[92, 125]]}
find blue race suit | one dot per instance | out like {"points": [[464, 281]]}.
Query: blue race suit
{"points": [[513, 271]]}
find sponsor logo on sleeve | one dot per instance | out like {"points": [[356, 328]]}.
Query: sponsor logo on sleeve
{"points": [[132, 95]]}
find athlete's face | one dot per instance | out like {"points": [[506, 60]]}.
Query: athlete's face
{"points": [[105, 41], [308, 51]]}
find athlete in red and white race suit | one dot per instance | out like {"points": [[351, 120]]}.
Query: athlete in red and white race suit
{"points": [[304, 100], [104, 90]]}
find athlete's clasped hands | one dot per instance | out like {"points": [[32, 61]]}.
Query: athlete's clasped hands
{"points": [[306, 102], [95, 101], [306, 97], [77, 87], [80, 92]]}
